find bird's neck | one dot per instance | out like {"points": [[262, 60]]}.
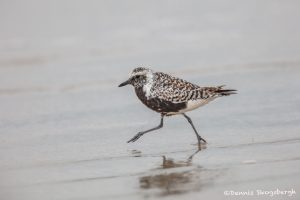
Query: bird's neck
{"points": [[148, 85]]}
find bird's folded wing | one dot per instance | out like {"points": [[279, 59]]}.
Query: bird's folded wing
{"points": [[179, 96], [177, 90]]}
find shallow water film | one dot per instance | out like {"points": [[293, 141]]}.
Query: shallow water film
{"points": [[64, 121]]}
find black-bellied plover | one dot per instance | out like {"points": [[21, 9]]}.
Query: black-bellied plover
{"points": [[169, 95]]}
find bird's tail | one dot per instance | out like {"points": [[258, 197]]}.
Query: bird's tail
{"points": [[225, 92]]}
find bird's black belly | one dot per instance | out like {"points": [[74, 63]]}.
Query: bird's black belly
{"points": [[159, 105]]}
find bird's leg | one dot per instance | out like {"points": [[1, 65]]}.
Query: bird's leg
{"points": [[137, 136], [198, 136]]}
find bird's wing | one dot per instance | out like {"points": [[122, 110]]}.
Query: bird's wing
{"points": [[177, 90], [172, 89]]}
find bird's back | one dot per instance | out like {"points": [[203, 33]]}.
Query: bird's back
{"points": [[171, 88], [178, 90]]}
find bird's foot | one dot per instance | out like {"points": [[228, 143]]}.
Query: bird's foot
{"points": [[201, 139], [136, 137], [201, 145]]}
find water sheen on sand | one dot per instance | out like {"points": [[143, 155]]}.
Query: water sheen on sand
{"points": [[64, 122]]}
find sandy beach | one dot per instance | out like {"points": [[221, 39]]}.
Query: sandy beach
{"points": [[64, 122]]}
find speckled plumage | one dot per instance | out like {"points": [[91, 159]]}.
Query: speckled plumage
{"points": [[169, 95]]}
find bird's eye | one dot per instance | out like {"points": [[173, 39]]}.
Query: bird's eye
{"points": [[138, 76]]}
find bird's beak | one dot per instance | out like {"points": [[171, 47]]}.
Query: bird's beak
{"points": [[125, 83]]}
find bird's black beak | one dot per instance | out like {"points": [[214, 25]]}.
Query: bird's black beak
{"points": [[125, 83]]}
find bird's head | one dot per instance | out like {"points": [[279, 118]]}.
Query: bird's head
{"points": [[139, 77]]}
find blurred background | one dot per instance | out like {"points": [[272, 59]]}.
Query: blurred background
{"points": [[64, 123]]}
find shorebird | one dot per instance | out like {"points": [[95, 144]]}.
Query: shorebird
{"points": [[169, 95]]}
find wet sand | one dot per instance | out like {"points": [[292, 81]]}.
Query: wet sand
{"points": [[64, 122], [72, 144]]}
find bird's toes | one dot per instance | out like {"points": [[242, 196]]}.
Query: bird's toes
{"points": [[201, 139], [135, 138], [131, 140]]}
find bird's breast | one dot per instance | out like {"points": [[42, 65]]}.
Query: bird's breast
{"points": [[157, 104]]}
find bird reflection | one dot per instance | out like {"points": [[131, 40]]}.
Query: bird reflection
{"points": [[173, 177]]}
